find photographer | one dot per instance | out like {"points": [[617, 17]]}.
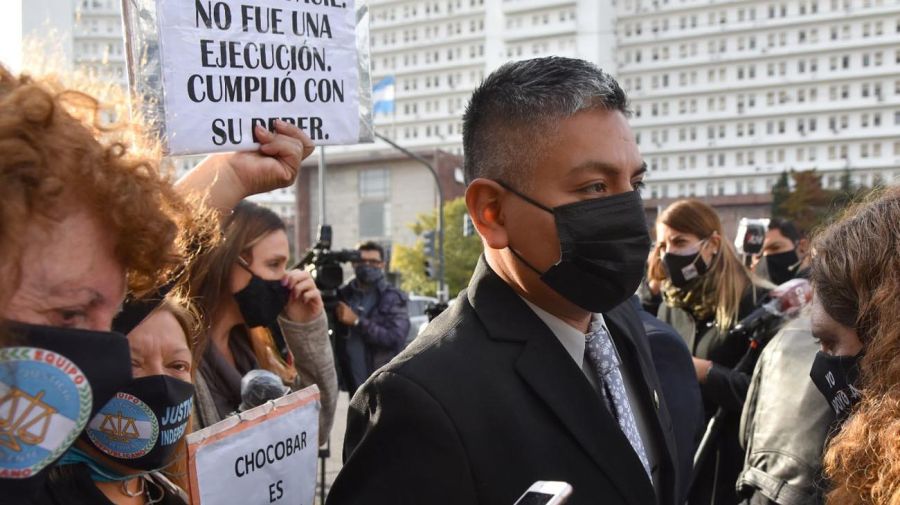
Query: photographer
{"points": [[376, 317]]}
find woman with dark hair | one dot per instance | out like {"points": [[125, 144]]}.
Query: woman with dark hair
{"points": [[259, 314], [706, 291], [856, 277]]}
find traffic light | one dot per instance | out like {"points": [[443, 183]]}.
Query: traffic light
{"points": [[468, 227], [429, 269], [428, 237]]}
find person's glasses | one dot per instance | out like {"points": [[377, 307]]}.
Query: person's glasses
{"points": [[371, 263]]}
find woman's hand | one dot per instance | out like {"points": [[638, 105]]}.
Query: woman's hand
{"points": [[305, 302], [702, 368], [229, 178]]}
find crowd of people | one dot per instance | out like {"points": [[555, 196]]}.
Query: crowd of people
{"points": [[123, 289]]}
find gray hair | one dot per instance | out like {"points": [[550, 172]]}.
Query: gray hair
{"points": [[516, 111]]}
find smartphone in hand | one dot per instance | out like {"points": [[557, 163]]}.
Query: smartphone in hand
{"points": [[546, 493]]}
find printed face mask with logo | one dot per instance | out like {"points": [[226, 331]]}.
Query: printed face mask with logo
{"points": [[683, 268], [52, 382], [603, 243], [261, 301], [139, 428]]}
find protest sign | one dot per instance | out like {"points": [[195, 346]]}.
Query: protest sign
{"points": [[265, 455], [209, 71]]}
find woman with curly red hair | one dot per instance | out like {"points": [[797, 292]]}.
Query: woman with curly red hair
{"points": [[856, 273], [86, 216]]}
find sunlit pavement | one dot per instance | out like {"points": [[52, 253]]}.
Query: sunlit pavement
{"points": [[333, 463]]}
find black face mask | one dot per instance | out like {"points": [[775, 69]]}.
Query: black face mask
{"points": [[140, 427], [682, 269], [261, 301], [53, 381], [604, 244], [782, 267], [836, 378], [368, 274]]}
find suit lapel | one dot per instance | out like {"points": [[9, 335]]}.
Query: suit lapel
{"points": [[624, 330], [559, 383]]}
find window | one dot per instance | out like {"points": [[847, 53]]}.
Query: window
{"points": [[374, 206]]}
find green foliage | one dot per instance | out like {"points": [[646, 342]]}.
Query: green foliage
{"points": [[461, 253]]}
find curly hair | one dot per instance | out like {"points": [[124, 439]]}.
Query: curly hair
{"points": [[856, 272], [56, 152]]}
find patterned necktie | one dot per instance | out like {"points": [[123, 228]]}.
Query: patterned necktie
{"points": [[601, 354]]}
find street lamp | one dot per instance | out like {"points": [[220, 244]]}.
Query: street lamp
{"points": [[442, 284]]}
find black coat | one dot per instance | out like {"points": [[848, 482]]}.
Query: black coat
{"points": [[681, 390], [486, 402]]}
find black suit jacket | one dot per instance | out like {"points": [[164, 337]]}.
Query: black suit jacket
{"points": [[486, 402], [675, 369]]}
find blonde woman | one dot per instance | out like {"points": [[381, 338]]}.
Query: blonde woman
{"points": [[706, 290]]}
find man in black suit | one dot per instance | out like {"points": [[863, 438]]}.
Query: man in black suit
{"points": [[541, 369]]}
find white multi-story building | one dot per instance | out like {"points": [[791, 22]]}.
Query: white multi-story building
{"points": [[728, 94], [439, 51]]}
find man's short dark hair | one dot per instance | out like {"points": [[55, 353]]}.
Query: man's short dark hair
{"points": [[787, 228], [516, 110], [371, 246]]}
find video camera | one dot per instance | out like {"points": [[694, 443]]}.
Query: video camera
{"points": [[325, 266]]}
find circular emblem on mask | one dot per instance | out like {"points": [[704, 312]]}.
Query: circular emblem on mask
{"points": [[45, 402], [124, 428]]}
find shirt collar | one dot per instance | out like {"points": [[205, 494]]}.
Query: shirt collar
{"points": [[571, 339]]}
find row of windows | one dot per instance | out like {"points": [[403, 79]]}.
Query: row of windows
{"points": [[413, 10], [731, 45], [559, 47], [756, 185], [749, 158], [544, 18], [803, 125], [748, 102], [427, 33], [439, 80], [453, 106], [725, 74], [741, 14], [429, 57]]}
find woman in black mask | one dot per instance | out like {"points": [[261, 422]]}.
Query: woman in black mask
{"points": [[258, 314], [856, 276], [132, 450], [706, 291]]}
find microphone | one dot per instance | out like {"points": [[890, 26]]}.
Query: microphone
{"points": [[784, 302], [258, 387]]}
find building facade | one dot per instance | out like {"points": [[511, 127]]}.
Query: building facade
{"points": [[729, 94]]}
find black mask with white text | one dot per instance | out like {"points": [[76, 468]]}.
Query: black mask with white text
{"points": [[140, 427], [603, 244], [837, 378]]}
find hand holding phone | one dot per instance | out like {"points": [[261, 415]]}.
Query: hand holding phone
{"points": [[546, 493]]}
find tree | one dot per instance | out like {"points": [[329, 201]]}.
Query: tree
{"points": [[780, 192], [808, 204], [461, 253]]}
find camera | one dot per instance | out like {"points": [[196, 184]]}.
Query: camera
{"points": [[325, 266]]}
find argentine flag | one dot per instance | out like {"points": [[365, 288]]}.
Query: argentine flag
{"points": [[383, 96]]}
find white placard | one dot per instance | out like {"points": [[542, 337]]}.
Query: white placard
{"points": [[228, 65], [268, 455]]}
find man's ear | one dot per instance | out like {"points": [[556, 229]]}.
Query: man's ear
{"points": [[483, 200]]}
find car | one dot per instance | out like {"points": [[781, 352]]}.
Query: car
{"points": [[417, 316]]}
